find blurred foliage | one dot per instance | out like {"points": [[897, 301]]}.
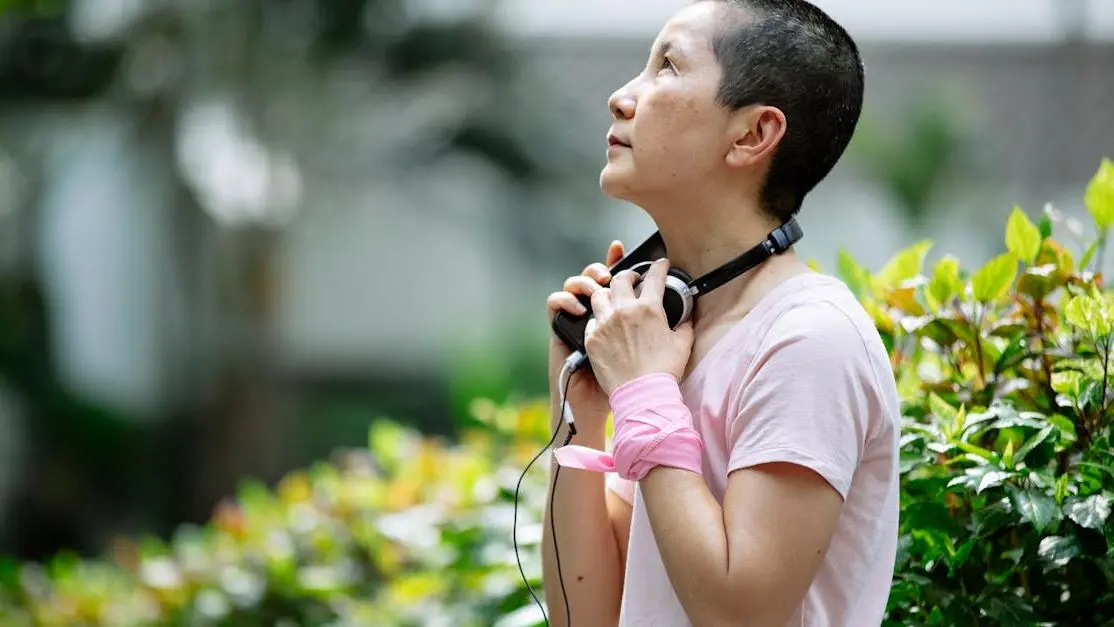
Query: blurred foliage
{"points": [[913, 159], [368, 539], [1007, 475]]}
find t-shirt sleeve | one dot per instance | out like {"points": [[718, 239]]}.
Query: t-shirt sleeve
{"points": [[623, 487], [805, 398]]}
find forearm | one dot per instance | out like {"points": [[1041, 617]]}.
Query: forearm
{"points": [[589, 553], [691, 536], [688, 522]]}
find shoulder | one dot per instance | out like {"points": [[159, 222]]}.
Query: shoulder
{"points": [[821, 318]]}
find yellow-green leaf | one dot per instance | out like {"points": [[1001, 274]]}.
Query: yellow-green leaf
{"points": [[941, 408], [1091, 313], [1007, 455], [945, 281], [1089, 254], [1077, 312], [853, 274], [904, 265], [1099, 196], [1066, 382], [993, 280], [1023, 238]]}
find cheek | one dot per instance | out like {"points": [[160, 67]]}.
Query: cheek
{"points": [[678, 130]]}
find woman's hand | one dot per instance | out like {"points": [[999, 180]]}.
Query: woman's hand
{"points": [[585, 398], [630, 335]]}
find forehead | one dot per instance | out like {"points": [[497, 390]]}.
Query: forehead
{"points": [[692, 28]]}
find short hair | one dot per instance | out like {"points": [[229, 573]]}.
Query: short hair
{"points": [[791, 55]]}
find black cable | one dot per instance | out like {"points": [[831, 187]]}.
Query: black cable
{"points": [[553, 529], [552, 524]]}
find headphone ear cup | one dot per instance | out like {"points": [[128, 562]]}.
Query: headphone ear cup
{"points": [[677, 299]]}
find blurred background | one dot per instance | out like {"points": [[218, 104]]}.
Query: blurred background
{"points": [[234, 232]]}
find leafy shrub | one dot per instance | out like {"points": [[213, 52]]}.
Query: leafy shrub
{"points": [[1007, 474], [1004, 376]]}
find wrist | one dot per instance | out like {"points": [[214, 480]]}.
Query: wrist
{"points": [[645, 391], [661, 435]]}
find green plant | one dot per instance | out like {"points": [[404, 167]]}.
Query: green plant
{"points": [[1005, 376]]}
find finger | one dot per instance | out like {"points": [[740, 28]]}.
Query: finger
{"points": [[598, 273], [622, 287], [653, 284], [564, 301], [590, 330], [581, 285], [614, 253], [602, 305]]}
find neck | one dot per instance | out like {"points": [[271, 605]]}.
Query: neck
{"points": [[701, 241]]}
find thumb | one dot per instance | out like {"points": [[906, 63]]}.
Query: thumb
{"points": [[684, 333]]}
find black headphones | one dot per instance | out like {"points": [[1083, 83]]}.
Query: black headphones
{"points": [[681, 290]]}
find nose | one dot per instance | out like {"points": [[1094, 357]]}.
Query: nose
{"points": [[622, 103]]}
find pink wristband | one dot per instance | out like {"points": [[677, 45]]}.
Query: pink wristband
{"points": [[653, 427]]}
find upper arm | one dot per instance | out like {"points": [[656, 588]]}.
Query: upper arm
{"points": [[799, 429], [779, 519]]}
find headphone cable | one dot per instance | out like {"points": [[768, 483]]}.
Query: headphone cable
{"points": [[572, 364]]}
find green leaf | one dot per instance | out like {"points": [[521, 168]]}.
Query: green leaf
{"points": [[1007, 455], [992, 281], [1008, 610], [1045, 226], [941, 408], [1090, 512], [1067, 383], [1033, 443], [1014, 352], [1090, 367], [1036, 507], [1023, 238], [945, 282], [1089, 254], [1099, 196], [1058, 550], [1066, 427], [1090, 313], [853, 274], [904, 265]]}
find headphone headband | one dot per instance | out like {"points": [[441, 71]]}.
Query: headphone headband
{"points": [[778, 241]]}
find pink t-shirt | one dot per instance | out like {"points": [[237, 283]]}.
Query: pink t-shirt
{"points": [[803, 378]]}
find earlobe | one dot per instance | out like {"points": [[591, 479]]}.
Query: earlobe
{"points": [[760, 131]]}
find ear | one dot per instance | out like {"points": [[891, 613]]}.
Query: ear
{"points": [[757, 132]]}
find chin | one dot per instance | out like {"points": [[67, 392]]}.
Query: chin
{"points": [[617, 184]]}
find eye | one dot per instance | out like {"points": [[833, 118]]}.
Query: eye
{"points": [[667, 64]]}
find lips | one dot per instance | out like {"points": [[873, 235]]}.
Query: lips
{"points": [[615, 140]]}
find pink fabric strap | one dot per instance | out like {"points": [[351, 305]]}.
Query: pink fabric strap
{"points": [[653, 427]]}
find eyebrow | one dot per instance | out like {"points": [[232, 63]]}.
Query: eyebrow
{"points": [[670, 46]]}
